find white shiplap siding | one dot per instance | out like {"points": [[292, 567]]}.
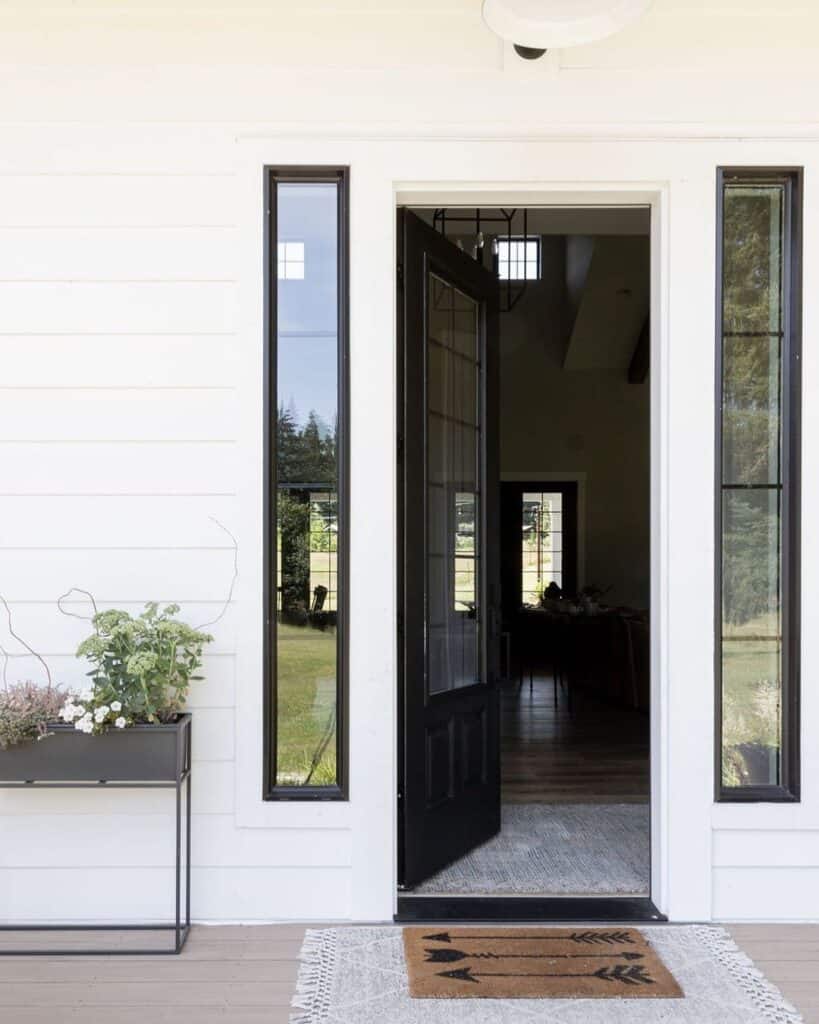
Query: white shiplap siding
{"points": [[127, 318], [118, 405]]}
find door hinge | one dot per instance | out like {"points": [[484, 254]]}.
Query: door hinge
{"points": [[399, 447], [400, 275]]}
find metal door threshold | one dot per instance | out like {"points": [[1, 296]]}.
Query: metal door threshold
{"points": [[544, 910]]}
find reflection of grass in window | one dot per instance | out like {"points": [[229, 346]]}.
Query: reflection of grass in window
{"points": [[306, 694], [751, 708]]}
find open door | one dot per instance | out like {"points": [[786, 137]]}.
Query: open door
{"points": [[450, 764]]}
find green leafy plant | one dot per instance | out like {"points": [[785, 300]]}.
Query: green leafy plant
{"points": [[143, 668], [25, 711]]}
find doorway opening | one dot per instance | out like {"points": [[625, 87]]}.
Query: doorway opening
{"points": [[525, 562]]}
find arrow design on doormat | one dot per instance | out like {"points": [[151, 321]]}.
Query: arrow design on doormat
{"points": [[452, 956], [622, 973], [582, 938]]}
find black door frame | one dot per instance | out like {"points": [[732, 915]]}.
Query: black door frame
{"points": [[418, 909], [511, 562]]}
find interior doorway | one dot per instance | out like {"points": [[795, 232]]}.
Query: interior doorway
{"points": [[525, 553]]}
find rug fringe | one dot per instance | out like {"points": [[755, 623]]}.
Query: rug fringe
{"points": [[765, 995], [313, 988]]}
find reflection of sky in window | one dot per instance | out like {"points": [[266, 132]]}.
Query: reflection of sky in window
{"points": [[307, 307]]}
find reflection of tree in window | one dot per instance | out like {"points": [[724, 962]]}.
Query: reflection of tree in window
{"points": [[307, 517], [752, 341]]}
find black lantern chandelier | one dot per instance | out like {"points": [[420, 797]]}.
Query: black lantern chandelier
{"points": [[515, 228]]}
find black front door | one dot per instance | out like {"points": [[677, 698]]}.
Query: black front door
{"points": [[450, 766]]}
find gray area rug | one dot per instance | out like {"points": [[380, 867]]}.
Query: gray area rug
{"points": [[358, 976], [560, 849]]}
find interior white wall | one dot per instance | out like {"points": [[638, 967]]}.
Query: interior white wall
{"points": [[131, 322], [594, 424]]}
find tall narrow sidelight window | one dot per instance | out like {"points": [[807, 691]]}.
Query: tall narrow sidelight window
{"points": [[306, 459], [758, 494]]}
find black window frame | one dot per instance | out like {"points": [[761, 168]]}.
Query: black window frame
{"points": [[788, 791], [512, 492], [273, 176]]}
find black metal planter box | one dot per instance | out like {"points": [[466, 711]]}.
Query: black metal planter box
{"points": [[139, 756], [139, 753]]}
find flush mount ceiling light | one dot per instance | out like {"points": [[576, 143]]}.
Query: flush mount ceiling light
{"points": [[534, 26]]}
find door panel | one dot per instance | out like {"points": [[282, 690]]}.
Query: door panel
{"points": [[450, 784]]}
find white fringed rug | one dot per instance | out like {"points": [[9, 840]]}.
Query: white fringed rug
{"points": [[358, 976]]}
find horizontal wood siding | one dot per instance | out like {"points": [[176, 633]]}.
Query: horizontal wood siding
{"points": [[118, 445], [146, 841], [130, 310], [767, 893], [140, 893], [155, 469]]}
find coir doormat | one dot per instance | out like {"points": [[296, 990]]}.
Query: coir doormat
{"points": [[535, 963], [358, 975]]}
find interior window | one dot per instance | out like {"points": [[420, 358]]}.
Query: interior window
{"points": [[541, 544], [518, 259]]}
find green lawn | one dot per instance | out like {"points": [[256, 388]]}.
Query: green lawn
{"points": [[307, 694], [751, 705], [306, 662]]}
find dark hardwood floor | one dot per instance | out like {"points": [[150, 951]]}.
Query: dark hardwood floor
{"points": [[597, 753]]}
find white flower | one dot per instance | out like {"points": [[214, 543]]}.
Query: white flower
{"points": [[120, 722], [116, 705], [84, 724], [101, 712], [67, 711], [87, 694]]}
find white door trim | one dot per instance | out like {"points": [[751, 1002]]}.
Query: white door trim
{"points": [[428, 194], [352, 849]]}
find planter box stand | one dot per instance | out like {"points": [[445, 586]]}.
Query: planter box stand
{"points": [[178, 778]]}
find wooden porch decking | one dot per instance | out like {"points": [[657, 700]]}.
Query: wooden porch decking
{"points": [[246, 975]]}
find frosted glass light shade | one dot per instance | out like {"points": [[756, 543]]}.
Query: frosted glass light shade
{"points": [[556, 24]]}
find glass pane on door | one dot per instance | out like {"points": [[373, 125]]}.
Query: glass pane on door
{"points": [[453, 487]]}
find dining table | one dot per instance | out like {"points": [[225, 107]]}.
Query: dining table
{"points": [[600, 650]]}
